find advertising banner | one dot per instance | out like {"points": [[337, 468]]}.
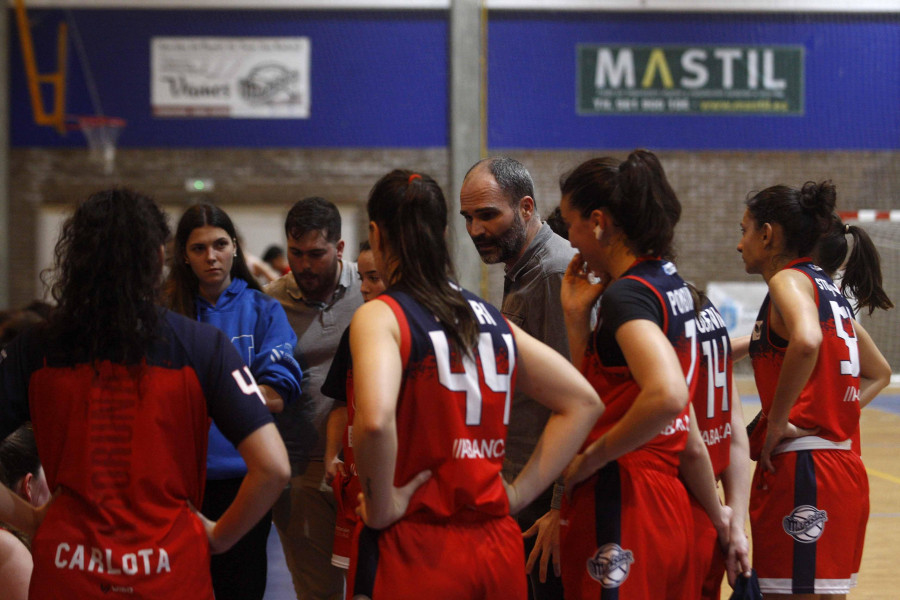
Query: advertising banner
{"points": [[234, 77], [672, 80]]}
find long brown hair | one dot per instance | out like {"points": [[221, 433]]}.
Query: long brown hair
{"points": [[410, 210], [183, 287]]}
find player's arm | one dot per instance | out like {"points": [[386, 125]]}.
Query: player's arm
{"points": [[237, 407], [736, 483], [740, 347], [696, 470], [874, 370], [378, 374], [663, 396], [268, 471], [15, 567], [334, 437], [792, 297], [547, 377]]}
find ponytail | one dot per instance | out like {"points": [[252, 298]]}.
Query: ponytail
{"points": [[648, 205], [411, 212], [635, 193], [862, 274]]}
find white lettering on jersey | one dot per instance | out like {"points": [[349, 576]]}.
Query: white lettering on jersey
{"points": [[467, 381], [680, 300], [129, 563], [248, 386], [709, 319], [719, 434], [466, 448], [828, 287], [851, 394], [678, 424], [481, 313]]}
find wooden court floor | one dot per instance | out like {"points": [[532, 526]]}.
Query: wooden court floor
{"points": [[880, 431]]}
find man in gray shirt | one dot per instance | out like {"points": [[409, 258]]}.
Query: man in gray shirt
{"points": [[497, 202], [319, 295]]}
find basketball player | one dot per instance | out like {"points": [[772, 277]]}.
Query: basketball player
{"points": [[627, 528], [341, 474], [434, 368], [814, 364], [120, 393], [720, 419]]}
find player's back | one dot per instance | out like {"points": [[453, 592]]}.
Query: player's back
{"points": [[712, 395], [453, 412]]}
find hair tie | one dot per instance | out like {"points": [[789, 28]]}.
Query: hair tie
{"points": [[413, 176], [846, 228]]}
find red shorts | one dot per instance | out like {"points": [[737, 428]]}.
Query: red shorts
{"points": [[346, 492], [628, 528], [410, 560], [707, 558], [809, 522]]}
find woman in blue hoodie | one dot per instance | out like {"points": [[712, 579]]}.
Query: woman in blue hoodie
{"points": [[210, 281]]}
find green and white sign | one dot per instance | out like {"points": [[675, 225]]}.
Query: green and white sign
{"points": [[690, 80]]}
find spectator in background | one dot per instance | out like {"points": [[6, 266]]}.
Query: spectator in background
{"points": [[319, 295], [274, 256], [558, 224], [209, 281]]}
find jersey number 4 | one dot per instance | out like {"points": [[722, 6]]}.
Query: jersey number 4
{"points": [[467, 381]]}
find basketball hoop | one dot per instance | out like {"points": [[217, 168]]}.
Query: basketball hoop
{"points": [[101, 133]]}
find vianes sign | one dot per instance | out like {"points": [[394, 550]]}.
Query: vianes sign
{"points": [[620, 79], [257, 78]]}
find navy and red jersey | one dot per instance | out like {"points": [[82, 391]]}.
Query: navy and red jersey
{"points": [[650, 289], [830, 398], [126, 444], [452, 411], [712, 396]]}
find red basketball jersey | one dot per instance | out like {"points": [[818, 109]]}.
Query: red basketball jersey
{"points": [[615, 385], [453, 411], [712, 396], [830, 398], [126, 445]]}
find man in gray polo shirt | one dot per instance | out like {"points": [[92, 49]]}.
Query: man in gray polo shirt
{"points": [[497, 202], [319, 295]]}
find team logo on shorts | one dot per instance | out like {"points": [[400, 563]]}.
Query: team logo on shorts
{"points": [[805, 523], [610, 565]]}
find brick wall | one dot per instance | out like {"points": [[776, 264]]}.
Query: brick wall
{"points": [[711, 186]]}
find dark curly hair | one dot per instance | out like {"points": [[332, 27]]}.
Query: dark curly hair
{"points": [[106, 277], [182, 286]]}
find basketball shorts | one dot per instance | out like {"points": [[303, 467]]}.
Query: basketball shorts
{"points": [[808, 521], [707, 558], [410, 560], [346, 495], [626, 535]]}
